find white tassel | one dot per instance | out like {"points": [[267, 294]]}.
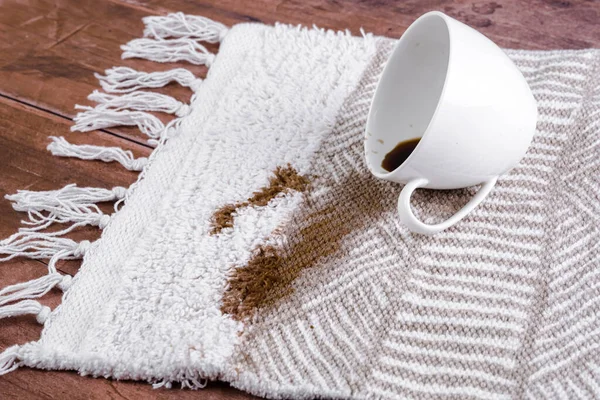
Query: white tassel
{"points": [[61, 147], [162, 383], [26, 307], [47, 208], [179, 25], [68, 212], [37, 245], [124, 79], [194, 383], [61, 255], [141, 101], [29, 200], [27, 291], [171, 50], [8, 360], [100, 118], [34, 288]]}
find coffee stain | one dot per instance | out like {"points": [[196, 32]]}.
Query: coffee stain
{"points": [[223, 217], [314, 235], [269, 273], [285, 179]]}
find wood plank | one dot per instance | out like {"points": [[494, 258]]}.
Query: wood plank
{"points": [[36, 384], [537, 24]]}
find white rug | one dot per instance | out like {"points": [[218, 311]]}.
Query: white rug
{"points": [[256, 248]]}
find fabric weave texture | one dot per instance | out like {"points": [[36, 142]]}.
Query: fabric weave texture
{"points": [[338, 299]]}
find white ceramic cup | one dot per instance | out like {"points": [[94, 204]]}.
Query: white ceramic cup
{"points": [[473, 111]]}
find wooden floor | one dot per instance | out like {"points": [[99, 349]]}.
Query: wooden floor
{"points": [[49, 51]]}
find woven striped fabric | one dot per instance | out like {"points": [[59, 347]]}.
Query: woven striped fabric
{"points": [[504, 305], [258, 249]]}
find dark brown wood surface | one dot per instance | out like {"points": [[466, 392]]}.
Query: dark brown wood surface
{"points": [[49, 51]]}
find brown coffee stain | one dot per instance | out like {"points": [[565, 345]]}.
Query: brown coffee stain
{"points": [[223, 217], [268, 274], [313, 236], [285, 179]]}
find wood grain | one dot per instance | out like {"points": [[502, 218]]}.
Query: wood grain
{"points": [[49, 51]]}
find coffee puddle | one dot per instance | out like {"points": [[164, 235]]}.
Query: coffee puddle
{"points": [[399, 154]]}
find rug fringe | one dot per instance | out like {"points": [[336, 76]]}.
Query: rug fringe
{"points": [[35, 245], [174, 37], [162, 383], [26, 307], [99, 118], [170, 50], [70, 204], [66, 213], [38, 245], [26, 200], [34, 288], [8, 360], [62, 148], [125, 79], [179, 25], [184, 31], [141, 101], [194, 383]]}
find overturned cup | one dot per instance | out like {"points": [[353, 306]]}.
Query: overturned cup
{"points": [[459, 98]]}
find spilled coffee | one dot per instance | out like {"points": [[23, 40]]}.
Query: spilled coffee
{"points": [[399, 154]]}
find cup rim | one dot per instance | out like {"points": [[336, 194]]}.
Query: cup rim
{"points": [[387, 70]]}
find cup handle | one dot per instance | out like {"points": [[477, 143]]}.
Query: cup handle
{"points": [[409, 219]]}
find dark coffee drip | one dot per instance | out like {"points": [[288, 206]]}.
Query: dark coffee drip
{"points": [[399, 154]]}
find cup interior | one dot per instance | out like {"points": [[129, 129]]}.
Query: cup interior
{"points": [[409, 90]]}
